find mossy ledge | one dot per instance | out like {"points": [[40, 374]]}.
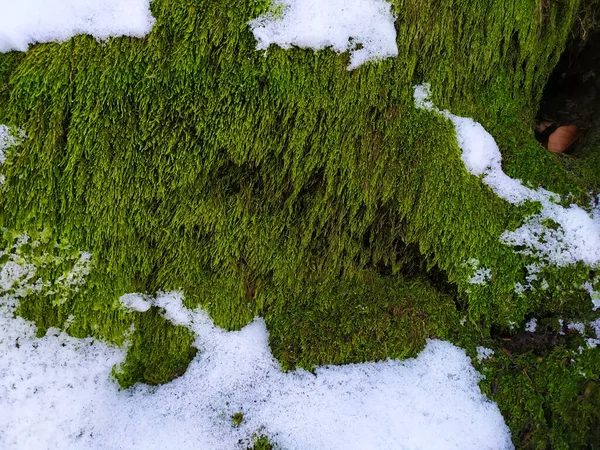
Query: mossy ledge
{"points": [[288, 187]]}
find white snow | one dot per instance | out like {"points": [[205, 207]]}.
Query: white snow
{"points": [[595, 324], [26, 22], [481, 275], [484, 353], [592, 343], [135, 302], [7, 140], [595, 295], [365, 28], [55, 392], [76, 276], [531, 325], [576, 326], [558, 235]]}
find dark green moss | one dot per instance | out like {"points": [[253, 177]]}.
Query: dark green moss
{"points": [[237, 419], [368, 318], [546, 386], [158, 353]]}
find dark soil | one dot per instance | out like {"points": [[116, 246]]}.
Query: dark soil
{"points": [[572, 95]]}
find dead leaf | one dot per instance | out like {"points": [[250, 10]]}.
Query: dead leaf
{"points": [[564, 137]]}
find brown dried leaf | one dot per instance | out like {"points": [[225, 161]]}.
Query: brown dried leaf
{"points": [[563, 138]]}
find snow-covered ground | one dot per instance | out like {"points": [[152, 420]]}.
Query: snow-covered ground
{"points": [[56, 392], [25, 22]]}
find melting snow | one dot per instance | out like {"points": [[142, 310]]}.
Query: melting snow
{"points": [[135, 302], [365, 28], [481, 275], [25, 22]]}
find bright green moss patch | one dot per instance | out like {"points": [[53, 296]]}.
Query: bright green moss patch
{"points": [[159, 351], [189, 160], [237, 419]]}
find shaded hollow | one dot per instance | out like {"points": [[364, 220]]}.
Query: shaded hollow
{"points": [[572, 94]]}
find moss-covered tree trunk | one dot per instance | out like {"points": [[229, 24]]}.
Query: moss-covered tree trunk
{"points": [[289, 187]]}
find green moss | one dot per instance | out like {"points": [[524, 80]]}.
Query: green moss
{"points": [[237, 419], [158, 353], [262, 443], [288, 187], [188, 160], [368, 318], [546, 389]]}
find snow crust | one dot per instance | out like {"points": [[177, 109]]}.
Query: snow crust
{"points": [[365, 28], [26, 22], [55, 392], [558, 235]]}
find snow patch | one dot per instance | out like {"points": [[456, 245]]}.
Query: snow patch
{"points": [[594, 294], [56, 392], [26, 22], [365, 28], [481, 275], [531, 326], [576, 326], [135, 302], [558, 235], [592, 343], [19, 275], [595, 324], [7, 140], [484, 353]]}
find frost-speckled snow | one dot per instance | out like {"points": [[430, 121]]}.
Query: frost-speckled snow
{"points": [[25, 22], [343, 25], [55, 392], [484, 353], [577, 234], [6, 141], [531, 325], [135, 302], [596, 327]]}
